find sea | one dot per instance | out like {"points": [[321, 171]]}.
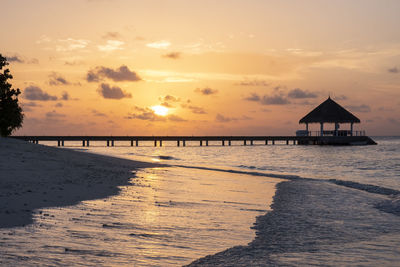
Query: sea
{"points": [[259, 205]]}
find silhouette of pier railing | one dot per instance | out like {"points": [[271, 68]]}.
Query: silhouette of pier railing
{"points": [[202, 140]]}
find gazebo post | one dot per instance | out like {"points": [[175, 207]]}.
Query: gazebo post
{"points": [[307, 128], [322, 129], [336, 128], [351, 129]]}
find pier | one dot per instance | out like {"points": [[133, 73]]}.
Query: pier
{"points": [[181, 141]]}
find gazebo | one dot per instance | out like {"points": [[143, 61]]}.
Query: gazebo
{"points": [[330, 112]]}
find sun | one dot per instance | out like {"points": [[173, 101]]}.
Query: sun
{"points": [[160, 110]]}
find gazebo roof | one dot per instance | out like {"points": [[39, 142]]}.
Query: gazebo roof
{"points": [[331, 112]]}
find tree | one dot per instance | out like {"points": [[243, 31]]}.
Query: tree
{"points": [[11, 116]]}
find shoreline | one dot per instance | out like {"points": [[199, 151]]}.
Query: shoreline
{"points": [[42, 177], [298, 231], [311, 221], [37, 176]]}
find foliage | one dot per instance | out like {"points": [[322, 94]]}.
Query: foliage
{"points": [[11, 116]]}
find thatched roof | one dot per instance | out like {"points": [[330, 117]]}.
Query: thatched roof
{"points": [[331, 112]]}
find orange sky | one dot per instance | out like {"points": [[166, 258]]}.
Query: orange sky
{"points": [[98, 67]]}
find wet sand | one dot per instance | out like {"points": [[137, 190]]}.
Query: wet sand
{"points": [[82, 208], [36, 176]]}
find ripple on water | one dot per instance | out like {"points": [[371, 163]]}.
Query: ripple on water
{"points": [[167, 217]]}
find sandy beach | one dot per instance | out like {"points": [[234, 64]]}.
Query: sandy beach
{"points": [[68, 207], [77, 206], [36, 176]]}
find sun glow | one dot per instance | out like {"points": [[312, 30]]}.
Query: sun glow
{"points": [[160, 110]]}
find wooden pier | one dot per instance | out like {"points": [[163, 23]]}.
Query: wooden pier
{"points": [[205, 140]]}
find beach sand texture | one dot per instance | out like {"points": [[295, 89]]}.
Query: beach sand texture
{"points": [[36, 176]]}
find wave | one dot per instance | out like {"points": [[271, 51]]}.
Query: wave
{"points": [[166, 157], [391, 205], [270, 175], [313, 223], [367, 187], [355, 185]]}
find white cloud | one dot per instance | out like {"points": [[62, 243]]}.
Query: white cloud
{"points": [[159, 44], [71, 44], [111, 45]]}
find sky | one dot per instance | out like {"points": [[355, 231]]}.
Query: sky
{"points": [[169, 67]]}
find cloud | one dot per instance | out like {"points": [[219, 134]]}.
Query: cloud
{"points": [[194, 109], [19, 59], [298, 93], [53, 115], [159, 44], [65, 96], [98, 113], [121, 74], [274, 100], [70, 44], [57, 79], [385, 109], [167, 99], [166, 104], [33, 61], [111, 45], [73, 63], [254, 82], [393, 70], [173, 55], [360, 108], [30, 104], [222, 118], [175, 118], [16, 59], [253, 97], [114, 92], [112, 35], [206, 91], [145, 114], [36, 93], [172, 98], [340, 97]]}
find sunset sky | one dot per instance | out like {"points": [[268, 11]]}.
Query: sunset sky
{"points": [[115, 67]]}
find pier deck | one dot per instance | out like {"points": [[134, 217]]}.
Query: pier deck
{"points": [[204, 140]]}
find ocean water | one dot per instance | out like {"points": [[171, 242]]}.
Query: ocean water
{"points": [[378, 165], [333, 206]]}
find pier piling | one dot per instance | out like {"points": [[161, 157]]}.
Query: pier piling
{"points": [[218, 140]]}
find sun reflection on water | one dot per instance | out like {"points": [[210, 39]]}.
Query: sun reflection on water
{"points": [[165, 217]]}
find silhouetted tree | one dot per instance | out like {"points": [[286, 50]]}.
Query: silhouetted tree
{"points": [[11, 116]]}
